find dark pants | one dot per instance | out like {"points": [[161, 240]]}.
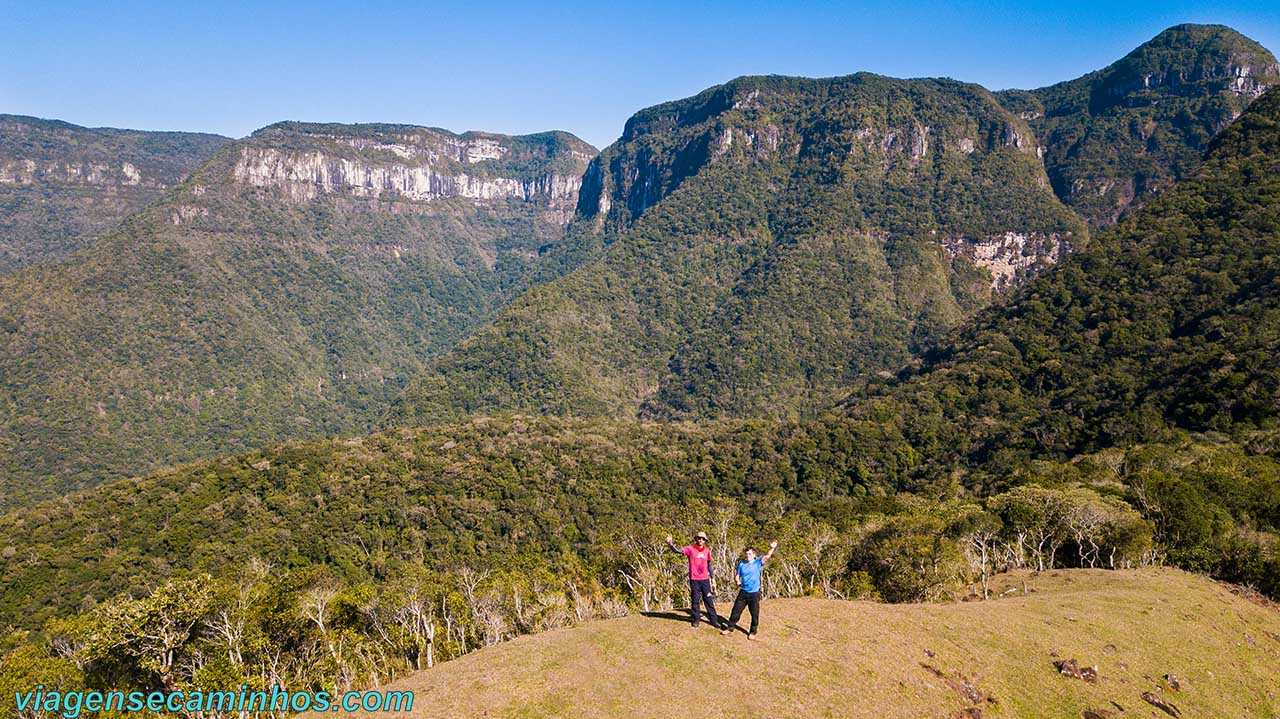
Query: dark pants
{"points": [[700, 589], [746, 600]]}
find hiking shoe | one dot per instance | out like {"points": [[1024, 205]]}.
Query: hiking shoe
{"points": [[751, 636]]}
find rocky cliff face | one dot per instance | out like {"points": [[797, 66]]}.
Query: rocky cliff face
{"points": [[1118, 135], [419, 164], [304, 176], [124, 174], [409, 164], [62, 185], [1009, 258]]}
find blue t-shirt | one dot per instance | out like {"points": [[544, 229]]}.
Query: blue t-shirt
{"points": [[750, 573]]}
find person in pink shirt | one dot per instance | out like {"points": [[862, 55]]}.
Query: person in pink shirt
{"points": [[701, 576]]}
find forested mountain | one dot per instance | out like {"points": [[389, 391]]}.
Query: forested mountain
{"points": [[1168, 321], [287, 288], [62, 185], [764, 243], [748, 252], [1130, 130]]}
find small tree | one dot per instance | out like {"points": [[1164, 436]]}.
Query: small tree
{"points": [[152, 631]]}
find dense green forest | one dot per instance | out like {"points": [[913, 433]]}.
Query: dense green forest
{"points": [[761, 244], [747, 252], [1170, 320], [345, 563]]}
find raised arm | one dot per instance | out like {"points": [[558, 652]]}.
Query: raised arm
{"points": [[671, 546], [772, 546]]}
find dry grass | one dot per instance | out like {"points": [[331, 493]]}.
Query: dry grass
{"points": [[819, 658]]}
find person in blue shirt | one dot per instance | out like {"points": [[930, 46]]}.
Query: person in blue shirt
{"points": [[748, 579]]}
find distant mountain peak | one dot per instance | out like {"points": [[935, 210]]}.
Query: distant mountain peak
{"points": [[291, 282], [1118, 135], [322, 130], [1187, 60]]}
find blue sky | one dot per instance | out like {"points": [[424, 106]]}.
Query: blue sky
{"points": [[523, 67]]}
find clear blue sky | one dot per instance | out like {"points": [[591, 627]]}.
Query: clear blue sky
{"points": [[528, 66]]}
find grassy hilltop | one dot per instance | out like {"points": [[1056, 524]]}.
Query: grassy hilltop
{"points": [[820, 658]]}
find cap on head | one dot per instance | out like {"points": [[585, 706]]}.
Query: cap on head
{"points": [[701, 535]]}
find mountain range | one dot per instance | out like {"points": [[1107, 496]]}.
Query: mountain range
{"points": [[287, 287], [751, 252], [770, 241], [1143, 366]]}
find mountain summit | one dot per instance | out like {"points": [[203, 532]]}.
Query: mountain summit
{"points": [[1130, 130], [819, 658]]}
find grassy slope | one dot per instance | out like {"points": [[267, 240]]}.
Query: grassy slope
{"points": [[854, 659]]}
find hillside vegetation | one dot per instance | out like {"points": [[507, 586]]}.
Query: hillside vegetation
{"points": [[1144, 631], [750, 252], [765, 244], [1170, 320], [520, 524], [62, 186]]}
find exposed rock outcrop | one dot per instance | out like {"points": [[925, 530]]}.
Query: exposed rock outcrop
{"points": [[412, 164], [1127, 131], [1010, 257]]}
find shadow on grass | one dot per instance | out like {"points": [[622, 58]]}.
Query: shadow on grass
{"points": [[684, 617], [677, 616]]}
